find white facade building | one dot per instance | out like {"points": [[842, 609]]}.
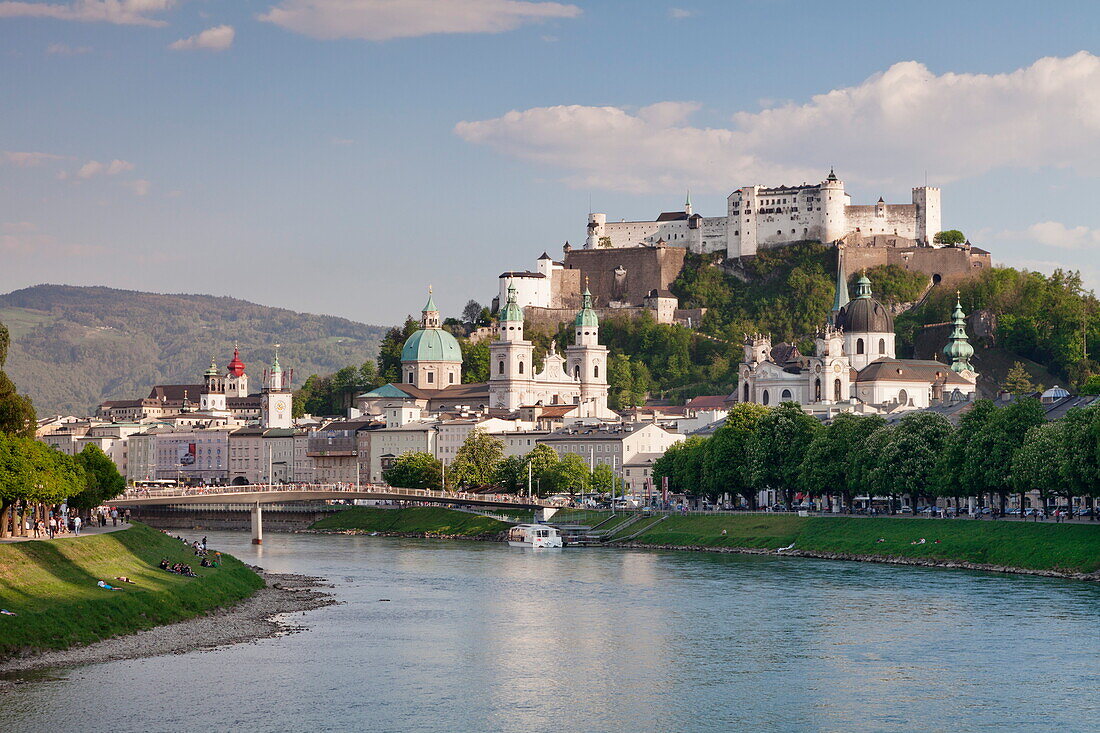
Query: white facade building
{"points": [[761, 217]]}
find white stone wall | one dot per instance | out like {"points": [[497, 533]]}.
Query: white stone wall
{"points": [[530, 291], [398, 441], [864, 348]]}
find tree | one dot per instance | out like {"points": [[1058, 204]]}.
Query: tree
{"points": [[868, 468], [417, 470], [725, 463], [912, 454], [389, 351], [570, 474], [827, 465], [511, 474], [1091, 385], [102, 481], [603, 478], [777, 446], [1039, 463], [475, 360], [472, 312], [1018, 381], [477, 460], [1081, 463], [16, 411], [989, 455], [951, 236], [682, 464], [955, 475]]}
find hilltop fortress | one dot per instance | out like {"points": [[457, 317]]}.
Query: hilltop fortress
{"points": [[761, 217]]}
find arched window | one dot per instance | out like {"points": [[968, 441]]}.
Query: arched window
{"points": [[595, 371], [786, 395], [500, 367], [836, 390], [521, 367], [817, 390], [577, 371], [882, 346], [764, 399], [746, 393], [859, 346]]}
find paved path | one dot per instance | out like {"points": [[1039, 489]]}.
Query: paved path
{"points": [[84, 532]]}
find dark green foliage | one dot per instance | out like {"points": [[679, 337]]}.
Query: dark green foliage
{"points": [[98, 343], [778, 445], [416, 470], [389, 351], [683, 465], [475, 360], [892, 284], [102, 481], [950, 236], [426, 520], [335, 393], [828, 464], [726, 457]]}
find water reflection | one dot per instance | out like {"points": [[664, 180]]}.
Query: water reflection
{"points": [[480, 636]]}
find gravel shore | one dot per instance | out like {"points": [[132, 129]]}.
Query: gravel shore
{"points": [[256, 617]]}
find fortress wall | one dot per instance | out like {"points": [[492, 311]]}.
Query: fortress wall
{"points": [[647, 268], [950, 263]]}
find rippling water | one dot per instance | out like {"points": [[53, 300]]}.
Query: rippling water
{"points": [[483, 637]]}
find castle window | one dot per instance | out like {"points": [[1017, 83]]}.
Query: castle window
{"points": [[779, 232], [764, 398], [882, 346], [859, 346]]}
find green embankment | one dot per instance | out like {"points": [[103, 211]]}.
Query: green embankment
{"points": [[52, 587], [1068, 548], [413, 520]]}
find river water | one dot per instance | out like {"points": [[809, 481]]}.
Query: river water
{"points": [[483, 637]]}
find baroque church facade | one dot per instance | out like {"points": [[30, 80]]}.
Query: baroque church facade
{"points": [[854, 365]]}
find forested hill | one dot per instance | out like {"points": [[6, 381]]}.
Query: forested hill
{"points": [[72, 347]]}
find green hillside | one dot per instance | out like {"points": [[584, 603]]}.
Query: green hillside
{"points": [[73, 347]]}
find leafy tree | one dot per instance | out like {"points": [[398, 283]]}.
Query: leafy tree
{"points": [[1039, 462], [956, 475], [951, 236], [511, 474], [827, 465], [725, 462], [990, 453], [912, 453], [417, 470], [603, 478], [102, 481], [894, 284], [477, 460], [777, 446], [570, 474], [389, 352], [1091, 385], [868, 468], [683, 465], [1018, 381], [475, 360], [472, 312], [1081, 446], [16, 411]]}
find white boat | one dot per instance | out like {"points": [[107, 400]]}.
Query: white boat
{"points": [[534, 535]]}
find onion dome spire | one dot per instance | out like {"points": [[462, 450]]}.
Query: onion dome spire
{"points": [[511, 312], [236, 366], [958, 348], [587, 314]]}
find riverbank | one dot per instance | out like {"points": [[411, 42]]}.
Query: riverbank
{"points": [[1058, 550], [51, 588], [427, 521]]}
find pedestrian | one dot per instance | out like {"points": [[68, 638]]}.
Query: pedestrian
{"points": [[76, 525], [37, 527], [53, 526], [114, 517], [127, 516]]}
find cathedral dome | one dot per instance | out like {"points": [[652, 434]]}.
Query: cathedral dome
{"points": [[864, 314], [431, 344]]}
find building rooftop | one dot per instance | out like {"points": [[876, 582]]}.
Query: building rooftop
{"points": [[909, 370]]}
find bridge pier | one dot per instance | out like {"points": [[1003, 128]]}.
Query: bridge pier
{"points": [[257, 524], [547, 512]]}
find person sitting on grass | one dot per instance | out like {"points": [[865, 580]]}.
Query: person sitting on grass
{"points": [[164, 564], [104, 586]]}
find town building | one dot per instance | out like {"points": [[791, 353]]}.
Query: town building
{"points": [[611, 444]]}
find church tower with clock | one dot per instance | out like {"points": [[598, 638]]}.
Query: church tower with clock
{"points": [[275, 401]]}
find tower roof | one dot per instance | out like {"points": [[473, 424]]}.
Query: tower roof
{"points": [[832, 175], [958, 348], [865, 314], [840, 295], [236, 366], [429, 307], [511, 313], [586, 317], [431, 344], [212, 370]]}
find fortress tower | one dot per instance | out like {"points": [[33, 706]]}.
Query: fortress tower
{"points": [[926, 199]]}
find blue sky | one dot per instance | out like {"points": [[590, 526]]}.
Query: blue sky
{"points": [[338, 156]]}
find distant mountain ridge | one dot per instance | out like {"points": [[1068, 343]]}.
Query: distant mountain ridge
{"points": [[73, 347]]}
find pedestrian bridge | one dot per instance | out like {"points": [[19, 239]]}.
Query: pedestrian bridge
{"points": [[257, 495]]}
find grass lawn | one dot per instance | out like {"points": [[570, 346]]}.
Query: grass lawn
{"points": [[52, 587], [1045, 546], [427, 519]]}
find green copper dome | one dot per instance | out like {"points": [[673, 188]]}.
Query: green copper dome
{"points": [[511, 312], [212, 371], [431, 344], [958, 348], [586, 317]]}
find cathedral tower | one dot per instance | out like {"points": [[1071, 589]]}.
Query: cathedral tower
{"points": [[212, 398], [511, 358], [276, 397], [587, 360]]}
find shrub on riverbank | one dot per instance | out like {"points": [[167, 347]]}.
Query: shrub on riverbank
{"points": [[51, 586], [412, 520], [1069, 548]]}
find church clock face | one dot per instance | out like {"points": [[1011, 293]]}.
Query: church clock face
{"points": [[837, 368], [280, 405]]}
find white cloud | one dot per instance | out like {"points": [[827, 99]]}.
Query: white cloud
{"points": [[1057, 234], [119, 12], [892, 127], [60, 49], [218, 38], [94, 168], [380, 20], [26, 159], [140, 187], [681, 13]]}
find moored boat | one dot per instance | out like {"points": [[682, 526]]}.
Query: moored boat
{"points": [[534, 535]]}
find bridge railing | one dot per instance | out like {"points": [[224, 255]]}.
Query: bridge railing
{"points": [[386, 492]]}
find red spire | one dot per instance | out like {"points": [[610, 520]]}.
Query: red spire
{"points": [[236, 367]]}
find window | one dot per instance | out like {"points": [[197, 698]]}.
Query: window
{"points": [[521, 367], [595, 371], [882, 346], [577, 371], [746, 393], [500, 368], [786, 395], [410, 377], [431, 377], [859, 346], [817, 390], [451, 378], [836, 390], [764, 399]]}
